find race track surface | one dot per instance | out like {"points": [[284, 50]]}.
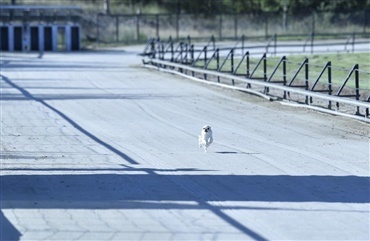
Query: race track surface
{"points": [[96, 147]]}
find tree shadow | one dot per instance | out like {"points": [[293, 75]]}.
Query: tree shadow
{"points": [[107, 191], [155, 189]]}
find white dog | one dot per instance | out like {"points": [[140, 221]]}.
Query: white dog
{"points": [[205, 139]]}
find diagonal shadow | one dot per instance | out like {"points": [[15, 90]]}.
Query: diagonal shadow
{"points": [[72, 122], [7, 231]]}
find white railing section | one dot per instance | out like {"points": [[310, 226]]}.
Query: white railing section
{"points": [[161, 64]]}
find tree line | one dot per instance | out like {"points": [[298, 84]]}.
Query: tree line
{"points": [[218, 6], [247, 6]]}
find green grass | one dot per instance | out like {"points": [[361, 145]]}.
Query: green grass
{"points": [[341, 64], [338, 60]]}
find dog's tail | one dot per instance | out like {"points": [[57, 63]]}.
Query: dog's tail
{"points": [[200, 141]]}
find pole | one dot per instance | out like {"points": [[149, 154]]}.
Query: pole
{"points": [[117, 28], [157, 25], [220, 28], [138, 27], [107, 7]]}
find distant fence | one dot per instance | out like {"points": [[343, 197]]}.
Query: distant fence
{"points": [[137, 28], [302, 82], [289, 44]]}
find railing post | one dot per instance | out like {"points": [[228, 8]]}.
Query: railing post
{"points": [[232, 64], [357, 86], [205, 56], [163, 50], [186, 53], [284, 74], [232, 61], [218, 63], [329, 83], [354, 69], [158, 45], [247, 65], [327, 65], [367, 109], [264, 67], [192, 58], [306, 77], [192, 54], [265, 72], [152, 50], [205, 60], [247, 68], [181, 55], [172, 52]]}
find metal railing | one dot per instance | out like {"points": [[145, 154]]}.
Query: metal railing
{"points": [[314, 43], [280, 80]]}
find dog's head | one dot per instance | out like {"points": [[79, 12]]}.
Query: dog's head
{"points": [[206, 128]]}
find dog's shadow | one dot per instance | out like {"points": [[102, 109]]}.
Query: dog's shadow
{"points": [[233, 152]]}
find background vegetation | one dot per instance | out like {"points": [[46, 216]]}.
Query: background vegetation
{"points": [[208, 6], [134, 21]]}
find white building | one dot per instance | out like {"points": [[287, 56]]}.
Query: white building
{"points": [[40, 28]]}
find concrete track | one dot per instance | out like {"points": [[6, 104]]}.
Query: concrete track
{"points": [[95, 147]]}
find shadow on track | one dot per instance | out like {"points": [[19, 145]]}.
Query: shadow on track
{"points": [[114, 190], [29, 96], [152, 190], [7, 231]]}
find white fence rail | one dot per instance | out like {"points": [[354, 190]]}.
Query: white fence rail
{"points": [[188, 71]]}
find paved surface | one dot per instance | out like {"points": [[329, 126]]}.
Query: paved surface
{"points": [[95, 147]]}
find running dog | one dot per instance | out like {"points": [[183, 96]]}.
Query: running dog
{"points": [[205, 139]]}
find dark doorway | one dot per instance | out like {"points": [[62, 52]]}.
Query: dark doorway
{"points": [[34, 38], [4, 38], [61, 38], [75, 38], [18, 39], [48, 39]]}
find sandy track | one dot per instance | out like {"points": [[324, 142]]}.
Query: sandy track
{"points": [[95, 147]]}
